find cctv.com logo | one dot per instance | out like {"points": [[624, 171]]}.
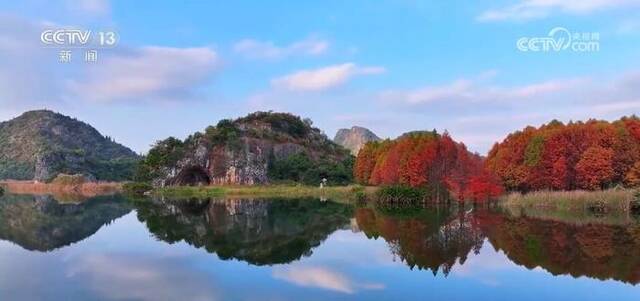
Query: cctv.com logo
{"points": [[560, 39]]}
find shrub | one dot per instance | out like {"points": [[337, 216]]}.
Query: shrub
{"points": [[69, 180], [224, 132], [136, 188], [399, 194]]}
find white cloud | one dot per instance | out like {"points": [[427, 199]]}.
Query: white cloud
{"points": [[475, 90], [622, 107], [480, 112], [94, 7], [321, 277], [148, 74], [123, 74], [533, 9], [25, 64], [477, 110], [323, 78], [459, 89], [255, 49]]}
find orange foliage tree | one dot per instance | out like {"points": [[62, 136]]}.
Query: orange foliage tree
{"points": [[427, 159], [578, 155], [595, 168], [633, 176]]}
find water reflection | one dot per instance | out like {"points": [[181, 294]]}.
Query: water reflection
{"points": [[323, 278], [318, 249], [433, 239], [127, 277], [438, 239], [42, 223], [594, 250], [260, 232]]}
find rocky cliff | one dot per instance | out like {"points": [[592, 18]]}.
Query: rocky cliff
{"points": [[41, 144], [354, 138], [255, 149]]}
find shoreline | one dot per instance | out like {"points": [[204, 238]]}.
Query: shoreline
{"points": [[614, 199], [622, 199], [62, 191], [350, 192], [611, 201], [612, 206]]}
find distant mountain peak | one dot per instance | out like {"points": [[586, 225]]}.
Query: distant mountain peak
{"points": [[354, 138]]}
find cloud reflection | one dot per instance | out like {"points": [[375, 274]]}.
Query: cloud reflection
{"points": [[322, 277], [136, 278], [484, 267]]}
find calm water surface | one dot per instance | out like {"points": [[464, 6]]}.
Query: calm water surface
{"points": [[110, 248]]}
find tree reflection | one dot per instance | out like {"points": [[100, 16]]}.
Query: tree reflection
{"points": [[42, 223], [594, 250], [260, 232], [433, 239], [438, 239]]}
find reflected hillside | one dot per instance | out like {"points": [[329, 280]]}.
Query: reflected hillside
{"points": [[433, 239], [594, 250], [42, 223], [260, 232]]}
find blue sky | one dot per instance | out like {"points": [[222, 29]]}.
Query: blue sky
{"points": [[391, 66]]}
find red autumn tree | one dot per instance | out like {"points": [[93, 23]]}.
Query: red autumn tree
{"points": [[559, 173], [482, 188], [562, 156], [632, 177], [427, 159], [418, 164], [367, 159], [595, 168]]}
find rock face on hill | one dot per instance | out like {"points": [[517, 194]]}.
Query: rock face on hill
{"points": [[246, 151], [353, 139], [39, 145]]}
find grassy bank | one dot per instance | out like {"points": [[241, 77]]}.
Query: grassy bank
{"points": [[575, 217], [612, 200], [351, 192], [63, 191]]}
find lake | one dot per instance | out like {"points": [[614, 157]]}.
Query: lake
{"points": [[111, 248]]}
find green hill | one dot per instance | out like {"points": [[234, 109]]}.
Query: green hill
{"points": [[38, 145], [262, 147]]}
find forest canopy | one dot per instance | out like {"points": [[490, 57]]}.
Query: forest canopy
{"points": [[426, 160], [579, 155]]}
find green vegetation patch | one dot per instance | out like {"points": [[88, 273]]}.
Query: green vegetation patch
{"points": [[301, 169], [533, 152], [136, 188], [399, 194], [336, 193]]}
